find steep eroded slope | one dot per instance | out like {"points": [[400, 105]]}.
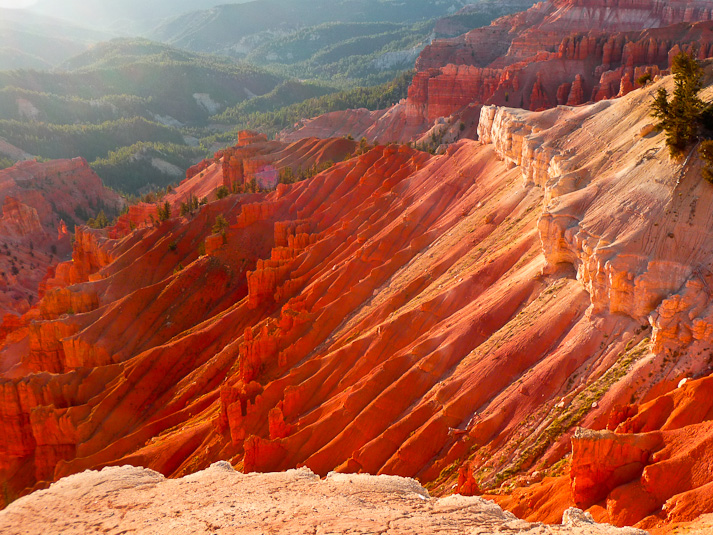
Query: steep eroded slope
{"points": [[399, 313]]}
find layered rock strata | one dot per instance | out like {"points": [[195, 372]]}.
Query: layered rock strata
{"points": [[399, 313], [557, 52], [652, 471]]}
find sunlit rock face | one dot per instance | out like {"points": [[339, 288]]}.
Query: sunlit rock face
{"points": [[557, 52], [450, 317], [40, 204], [647, 268], [218, 498]]}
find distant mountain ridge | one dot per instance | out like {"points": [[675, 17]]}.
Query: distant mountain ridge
{"points": [[32, 41], [363, 42], [128, 16], [235, 29]]}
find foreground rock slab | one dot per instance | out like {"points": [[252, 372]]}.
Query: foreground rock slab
{"points": [[220, 500]]}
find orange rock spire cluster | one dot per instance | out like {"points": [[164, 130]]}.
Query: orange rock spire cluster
{"points": [[39, 201], [526, 315], [557, 52]]}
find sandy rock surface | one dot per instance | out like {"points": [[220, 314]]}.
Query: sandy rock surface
{"points": [[127, 499]]}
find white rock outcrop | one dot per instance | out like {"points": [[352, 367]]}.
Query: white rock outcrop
{"points": [[220, 500], [641, 246]]}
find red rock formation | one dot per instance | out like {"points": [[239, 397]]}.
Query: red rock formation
{"points": [[33, 234], [576, 93], [398, 313], [563, 92], [250, 137], [528, 59], [198, 168], [467, 485], [653, 476], [626, 85], [602, 461], [328, 258], [479, 47], [538, 97], [19, 219], [254, 158], [139, 215]]}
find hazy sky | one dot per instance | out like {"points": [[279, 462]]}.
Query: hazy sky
{"points": [[17, 4], [128, 17]]}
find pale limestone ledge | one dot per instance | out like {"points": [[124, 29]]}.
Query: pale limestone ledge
{"points": [[633, 222], [220, 500]]}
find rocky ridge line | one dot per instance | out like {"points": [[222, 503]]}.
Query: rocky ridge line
{"points": [[557, 52], [218, 499]]}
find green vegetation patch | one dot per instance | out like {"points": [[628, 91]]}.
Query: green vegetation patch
{"points": [[372, 98], [684, 117], [86, 140], [132, 169], [563, 419]]}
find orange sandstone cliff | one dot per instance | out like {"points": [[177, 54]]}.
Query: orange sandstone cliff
{"points": [[557, 52], [453, 318], [41, 202]]}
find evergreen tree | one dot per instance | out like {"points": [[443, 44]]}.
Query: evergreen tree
{"points": [[164, 211], [679, 117], [220, 224], [100, 221]]}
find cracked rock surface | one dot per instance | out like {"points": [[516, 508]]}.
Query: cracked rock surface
{"points": [[122, 500]]}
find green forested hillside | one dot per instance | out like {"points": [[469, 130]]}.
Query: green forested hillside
{"points": [[305, 43], [285, 94], [185, 86], [122, 102], [143, 111], [129, 169], [230, 28], [90, 141], [350, 42], [347, 53], [26, 105], [271, 122]]}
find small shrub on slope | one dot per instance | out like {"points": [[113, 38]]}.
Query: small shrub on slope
{"points": [[706, 153]]}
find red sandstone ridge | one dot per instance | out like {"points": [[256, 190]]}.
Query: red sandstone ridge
{"points": [[452, 318], [557, 52], [656, 468], [39, 201], [253, 163]]}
